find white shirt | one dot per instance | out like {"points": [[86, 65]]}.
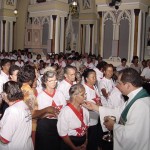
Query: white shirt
{"points": [[61, 64], [73, 64], [119, 68], [146, 73], [89, 65], [68, 122], [48, 61], [107, 84], [19, 64], [16, 127], [91, 95], [3, 79], [46, 100], [135, 134], [99, 74], [137, 68], [29, 60], [115, 99], [64, 87]]}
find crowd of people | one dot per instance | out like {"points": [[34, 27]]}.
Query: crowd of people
{"points": [[65, 102]]}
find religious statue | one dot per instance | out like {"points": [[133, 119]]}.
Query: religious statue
{"points": [[86, 4], [10, 2]]}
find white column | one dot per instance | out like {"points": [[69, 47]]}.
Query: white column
{"points": [[129, 45], [1, 47], [93, 39], [11, 36], [6, 36], [62, 32], [57, 30], [102, 37], [139, 33], [132, 34], [83, 40], [96, 48], [51, 28], [87, 40], [143, 37]]}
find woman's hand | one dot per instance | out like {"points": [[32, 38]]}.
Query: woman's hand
{"points": [[52, 110]]}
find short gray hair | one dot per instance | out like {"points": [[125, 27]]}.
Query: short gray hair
{"points": [[46, 75], [75, 89]]}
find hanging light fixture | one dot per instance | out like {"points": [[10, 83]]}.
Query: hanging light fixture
{"points": [[74, 3], [73, 8], [15, 11]]}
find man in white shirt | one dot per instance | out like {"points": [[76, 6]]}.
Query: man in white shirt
{"points": [[99, 72], [4, 76], [146, 72], [89, 64], [123, 64], [132, 131]]}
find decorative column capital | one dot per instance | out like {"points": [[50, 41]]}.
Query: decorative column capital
{"points": [[136, 12], [4, 21], [91, 25], [100, 13], [54, 17]]}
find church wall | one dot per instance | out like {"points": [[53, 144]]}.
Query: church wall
{"points": [[22, 7], [124, 39]]}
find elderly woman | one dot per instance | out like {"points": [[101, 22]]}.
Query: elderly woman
{"points": [[16, 124], [93, 96], [46, 133], [73, 121]]}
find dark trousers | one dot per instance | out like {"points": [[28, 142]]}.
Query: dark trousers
{"points": [[77, 141], [46, 137], [107, 145], [92, 138]]}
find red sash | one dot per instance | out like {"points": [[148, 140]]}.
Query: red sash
{"points": [[81, 131], [97, 99], [53, 103]]}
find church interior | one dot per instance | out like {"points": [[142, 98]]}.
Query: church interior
{"points": [[112, 29]]}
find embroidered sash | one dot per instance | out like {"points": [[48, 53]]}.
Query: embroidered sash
{"points": [[56, 106], [81, 130], [53, 103], [97, 99], [141, 94]]}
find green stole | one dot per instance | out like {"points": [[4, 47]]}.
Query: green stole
{"points": [[141, 94]]}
